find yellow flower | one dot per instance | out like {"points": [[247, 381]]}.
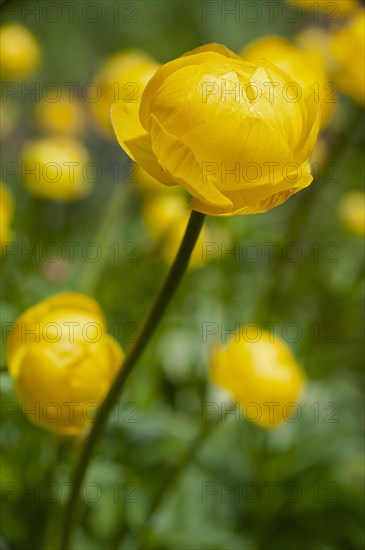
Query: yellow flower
{"points": [[6, 215], [122, 78], [230, 132], [62, 361], [306, 68], [260, 373], [56, 168], [19, 52], [352, 212], [318, 41], [348, 48], [64, 116], [332, 9], [166, 217]]}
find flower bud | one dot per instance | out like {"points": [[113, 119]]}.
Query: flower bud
{"points": [[19, 52], [233, 134], [123, 78], [258, 368], [56, 168], [63, 117], [6, 215], [352, 212], [62, 361], [348, 48]]}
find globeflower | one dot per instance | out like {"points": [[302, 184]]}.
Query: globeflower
{"points": [[352, 212], [348, 48], [62, 361], [306, 68], [62, 117], [19, 52], [259, 369], [228, 131], [55, 168], [123, 77], [6, 215]]}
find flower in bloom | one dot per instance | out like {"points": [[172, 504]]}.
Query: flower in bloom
{"points": [[256, 367], [6, 215], [318, 41], [56, 168], [306, 68], [332, 9], [166, 217], [352, 212], [348, 48], [230, 132], [62, 361], [63, 117], [19, 52], [123, 77]]}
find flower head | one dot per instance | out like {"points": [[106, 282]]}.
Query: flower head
{"points": [[63, 117], [6, 214], [230, 132], [348, 48], [352, 212], [123, 77], [257, 368], [54, 168], [62, 361], [19, 52]]}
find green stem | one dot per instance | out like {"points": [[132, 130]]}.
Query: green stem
{"points": [[174, 277]]}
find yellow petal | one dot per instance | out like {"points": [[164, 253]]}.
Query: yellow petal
{"points": [[135, 141], [177, 158], [260, 199]]}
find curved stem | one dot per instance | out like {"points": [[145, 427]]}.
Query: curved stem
{"points": [[174, 277]]}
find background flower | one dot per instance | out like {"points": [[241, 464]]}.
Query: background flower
{"points": [[19, 52], [259, 369], [62, 361], [55, 168]]}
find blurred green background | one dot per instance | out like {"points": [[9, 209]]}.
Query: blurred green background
{"points": [[319, 457]]}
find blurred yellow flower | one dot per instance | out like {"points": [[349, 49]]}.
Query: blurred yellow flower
{"points": [[348, 48], [62, 361], [317, 40], [166, 217], [64, 116], [306, 68], [260, 373], [352, 212], [339, 7], [6, 215], [19, 52], [215, 124], [123, 77], [56, 168]]}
